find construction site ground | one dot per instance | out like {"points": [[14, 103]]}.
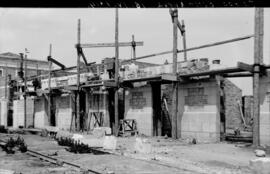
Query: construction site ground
{"points": [[166, 156]]}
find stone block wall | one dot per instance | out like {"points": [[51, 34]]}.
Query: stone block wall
{"points": [[138, 105], [198, 107]]}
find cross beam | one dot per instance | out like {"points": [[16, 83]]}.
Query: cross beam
{"points": [[121, 44]]}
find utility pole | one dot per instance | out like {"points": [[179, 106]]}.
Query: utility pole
{"points": [[258, 60], [116, 117], [78, 79], [25, 88], [49, 86], [175, 84]]}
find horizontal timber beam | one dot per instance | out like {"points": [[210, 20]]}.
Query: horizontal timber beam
{"points": [[121, 44]]}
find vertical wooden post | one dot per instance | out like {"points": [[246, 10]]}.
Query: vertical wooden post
{"points": [[78, 79], [258, 60], [116, 116], [49, 87], [25, 87], [6, 84], [134, 47], [175, 84], [184, 40]]}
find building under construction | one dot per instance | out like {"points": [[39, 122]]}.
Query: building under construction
{"points": [[190, 98]]}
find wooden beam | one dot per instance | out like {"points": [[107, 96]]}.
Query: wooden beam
{"points": [[100, 45], [56, 62], [240, 74], [175, 84], [116, 116], [258, 60], [77, 116], [245, 66], [194, 48]]}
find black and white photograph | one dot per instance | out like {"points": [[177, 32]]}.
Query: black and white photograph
{"points": [[134, 90]]}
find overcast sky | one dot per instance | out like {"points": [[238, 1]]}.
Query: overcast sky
{"points": [[35, 29]]}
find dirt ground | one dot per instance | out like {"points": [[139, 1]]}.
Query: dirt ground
{"points": [[166, 156]]}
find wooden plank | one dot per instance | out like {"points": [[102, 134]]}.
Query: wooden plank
{"points": [[245, 66], [121, 44], [116, 116], [169, 77], [258, 55], [175, 84]]}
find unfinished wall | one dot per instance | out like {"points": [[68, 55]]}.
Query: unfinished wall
{"points": [[232, 99], [40, 116], [3, 112], [97, 103], [265, 110], [138, 105], [63, 113], [248, 109], [199, 108], [18, 113]]}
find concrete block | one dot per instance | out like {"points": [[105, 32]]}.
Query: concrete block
{"points": [[260, 165]]}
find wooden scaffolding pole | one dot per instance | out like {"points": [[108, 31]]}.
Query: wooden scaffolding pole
{"points": [[49, 86], [78, 80], [184, 40], [25, 87], [116, 117], [258, 60], [175, 84]]}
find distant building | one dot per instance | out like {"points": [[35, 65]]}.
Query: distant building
{"points": [[10, 64]]}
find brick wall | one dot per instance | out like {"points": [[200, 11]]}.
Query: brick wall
{"points": [[233, 95]]}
